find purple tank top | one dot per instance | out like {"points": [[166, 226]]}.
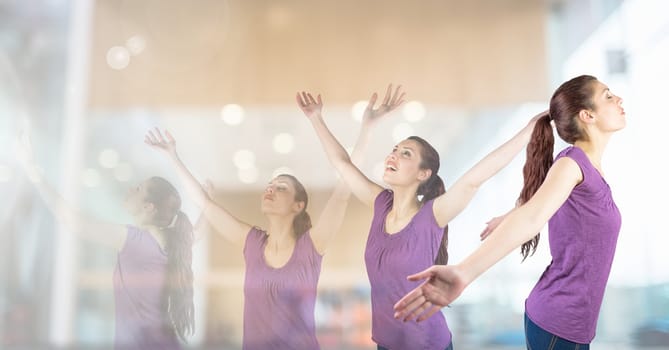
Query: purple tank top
{"points": [[279, 302], [389, 259], [141, 315], [582, 234]]}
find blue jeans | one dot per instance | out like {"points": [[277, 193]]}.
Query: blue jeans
{"points": [[449, 347], [538, 339]]}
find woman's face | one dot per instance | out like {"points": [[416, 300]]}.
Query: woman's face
{"points": [[402, 165], [135, 201], [608, 109], [279, 197]]}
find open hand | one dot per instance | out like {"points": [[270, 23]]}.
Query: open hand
{"points": [[392, 100], [312, 107], [167, 144], [442, 285], [491, 225]]}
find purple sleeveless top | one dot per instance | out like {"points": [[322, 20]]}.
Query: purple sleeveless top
{"points": [[389, 259], [582, 234], [279, 302], [140, 275]]}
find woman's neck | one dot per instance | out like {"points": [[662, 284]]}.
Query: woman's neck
{"points": [[594, 149], [405, 203], [280, 231], [146, 226], [155, 231]]}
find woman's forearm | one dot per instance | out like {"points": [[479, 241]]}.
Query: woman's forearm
{"points": [[335, 152], [518, 227], [193, 187]]}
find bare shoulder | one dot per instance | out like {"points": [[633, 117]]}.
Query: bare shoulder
{"points": [[567, 169]]}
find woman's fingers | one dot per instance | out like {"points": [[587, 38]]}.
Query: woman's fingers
{"points": [[427, 314], [159, 134], [372, 101], [389, 91], [299, 100], [425, 274], [169, 137], [396, 95], [408, 303]]}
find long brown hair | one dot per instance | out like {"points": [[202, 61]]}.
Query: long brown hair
{"points": [[178, 296], [302, 221], [567, 101], [432, 188]]}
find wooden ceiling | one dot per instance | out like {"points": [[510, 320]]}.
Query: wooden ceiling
{"points": [[259, 52]]}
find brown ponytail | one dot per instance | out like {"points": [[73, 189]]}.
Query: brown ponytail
{"points": [[301, 223], [432, 188], [178, 244], [539, 160], [178, 233], [565, 105]]}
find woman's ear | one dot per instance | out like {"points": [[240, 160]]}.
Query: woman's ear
{"points": [[149, 207], [424, 174], [298, 206], [586, 116]]}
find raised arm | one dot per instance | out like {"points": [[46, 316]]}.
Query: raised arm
{"points": [[332, 216], [363, 188], [450, 204], [445, 283], [78, 222], [233, 229], [202, 225]]}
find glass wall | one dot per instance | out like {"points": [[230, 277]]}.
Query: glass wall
{"points": [[88, 129]]}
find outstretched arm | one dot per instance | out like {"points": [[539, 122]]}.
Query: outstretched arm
{"points": [[78, 222], [450, 204], [225, 223], [363, 188], [444, 284], [202, 225], [332, 216]]}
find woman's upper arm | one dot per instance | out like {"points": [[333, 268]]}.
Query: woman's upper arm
{"points": [[362, 187], [330, 219], [563, 176], [224, 223]]}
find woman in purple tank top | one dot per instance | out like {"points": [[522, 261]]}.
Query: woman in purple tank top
{"points": [[153, 279], [571, 194], [409, 226], [283, 263]]}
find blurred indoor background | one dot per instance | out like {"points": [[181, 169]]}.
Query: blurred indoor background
{"points": [[89, 78]]}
